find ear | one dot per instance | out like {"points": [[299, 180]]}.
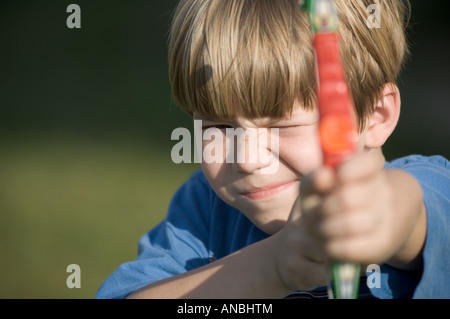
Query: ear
{"points": [[384, 119]]}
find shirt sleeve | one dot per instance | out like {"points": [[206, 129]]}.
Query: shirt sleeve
{"points": [[433, 175], [174, 246]]}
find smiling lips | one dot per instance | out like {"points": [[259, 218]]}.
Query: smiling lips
{"points": [[265, 192]]}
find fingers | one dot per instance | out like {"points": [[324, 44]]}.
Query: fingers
{"points": [[318, 183], [360, 167], [346, 199], [312, 191], [346, 180], [322, 181], [360, 249], [340, 215], [352, 224], [342, 208]]}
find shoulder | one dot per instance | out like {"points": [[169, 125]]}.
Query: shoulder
{"points": [[198, 214], [412, 161], [190, 207], [432, 172], [195, 194], [196, 211], [198, 228], [198, 181], [433, 175]]}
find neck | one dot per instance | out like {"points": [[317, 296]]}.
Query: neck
{"points": [[377, 155]]}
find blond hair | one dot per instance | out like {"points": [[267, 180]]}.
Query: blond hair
{"points": [[254, 57]]}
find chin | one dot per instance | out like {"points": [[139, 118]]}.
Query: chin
{"points": [[272, 227], [268, 220]]}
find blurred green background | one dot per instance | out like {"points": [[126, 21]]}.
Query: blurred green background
{"points": [[85, 123]]}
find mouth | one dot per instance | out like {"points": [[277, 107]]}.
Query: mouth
{"points": [[259, 193]]}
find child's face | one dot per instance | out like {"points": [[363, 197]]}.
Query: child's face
{"points": [[266, 199]]}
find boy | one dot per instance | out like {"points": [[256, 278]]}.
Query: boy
{"points": [[234, 232]]}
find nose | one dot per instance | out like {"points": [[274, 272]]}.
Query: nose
{"points": [[249, 150]]}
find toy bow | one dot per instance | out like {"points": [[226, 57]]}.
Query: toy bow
{"points": [[337, 128]]}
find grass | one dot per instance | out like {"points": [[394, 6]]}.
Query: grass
{"points": [[70, 200]]}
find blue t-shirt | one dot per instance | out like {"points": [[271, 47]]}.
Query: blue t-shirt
{"points": [[200, 228]]}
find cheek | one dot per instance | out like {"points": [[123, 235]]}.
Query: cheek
{"points": [[216, 170], [213, 173], [303, 154], [217, 176]]}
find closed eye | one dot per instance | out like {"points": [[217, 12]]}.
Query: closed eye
{"points": [[295, 130], [294, 125]]}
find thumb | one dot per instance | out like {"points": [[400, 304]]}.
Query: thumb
{"points": [[314, 186]]}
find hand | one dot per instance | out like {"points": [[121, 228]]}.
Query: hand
{"points": [[351, 212], [359, 213], [302, 262]]}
